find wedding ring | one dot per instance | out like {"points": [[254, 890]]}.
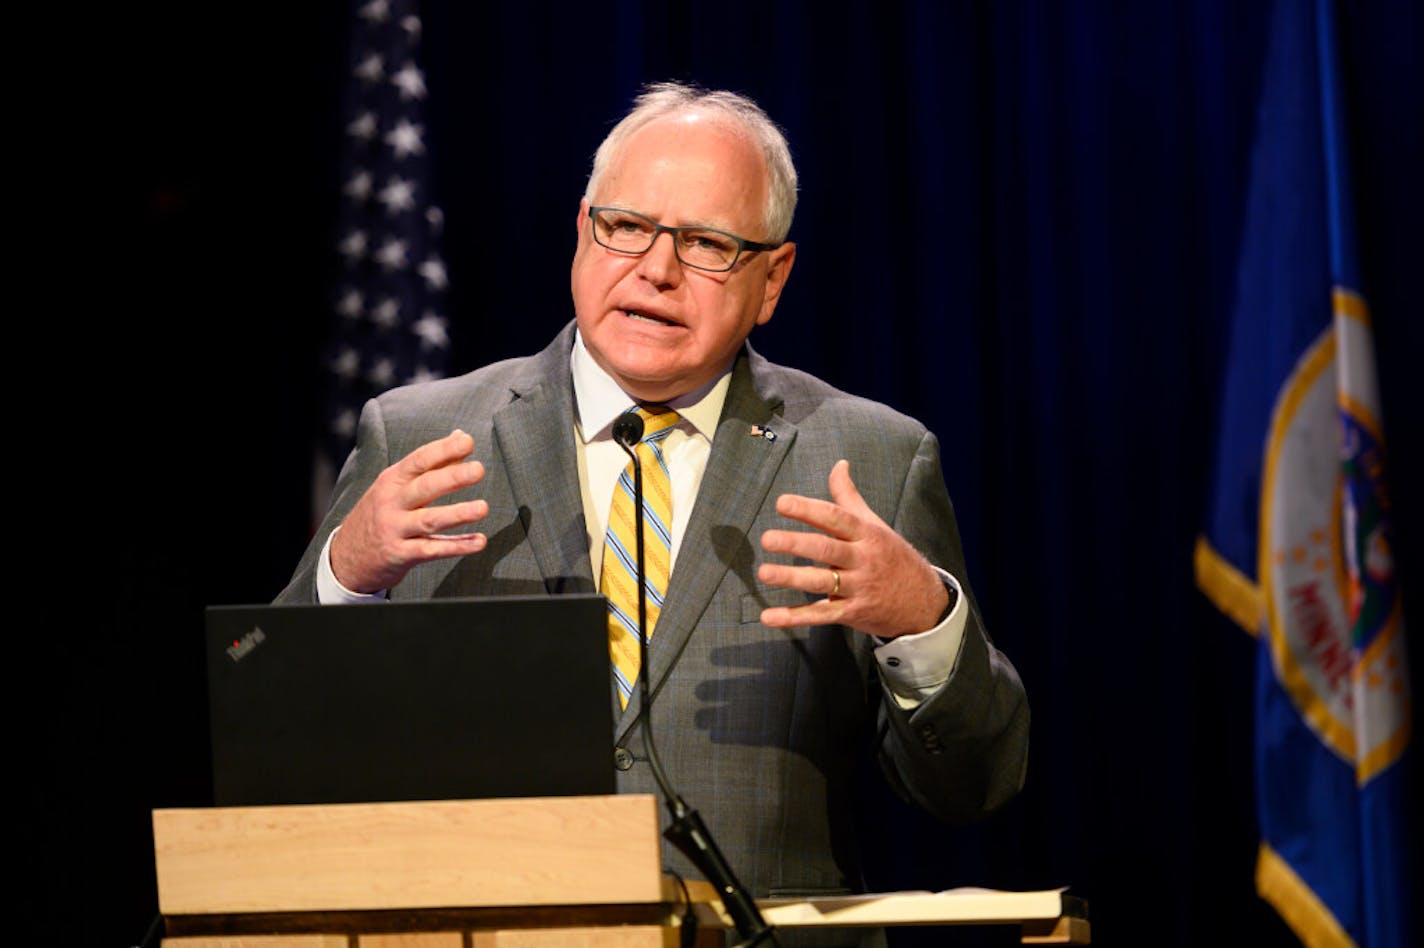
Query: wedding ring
{"points": [[836, 588]]}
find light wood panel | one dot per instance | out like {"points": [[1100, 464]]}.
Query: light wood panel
{"points": [[471, 853], [261, 941]]}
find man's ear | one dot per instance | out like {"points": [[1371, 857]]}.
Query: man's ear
{"points": [[778, 270]]}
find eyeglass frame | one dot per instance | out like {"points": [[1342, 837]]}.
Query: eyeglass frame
{"points": [[659, 229]]}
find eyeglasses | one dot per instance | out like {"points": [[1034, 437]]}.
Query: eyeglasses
{"points": [[700, 247]]}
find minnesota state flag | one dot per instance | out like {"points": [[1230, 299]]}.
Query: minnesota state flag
{"points": [[1298, 542]]}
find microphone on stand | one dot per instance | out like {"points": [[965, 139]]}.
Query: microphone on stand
{"points": [[686, 831]]}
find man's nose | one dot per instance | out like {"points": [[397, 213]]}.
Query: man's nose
{"points": [[660, 265]]}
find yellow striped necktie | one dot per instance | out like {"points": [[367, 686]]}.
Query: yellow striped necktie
{"points": [[619, 580]]}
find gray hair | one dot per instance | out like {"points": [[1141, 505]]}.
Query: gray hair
{"points": [[670, 98]]}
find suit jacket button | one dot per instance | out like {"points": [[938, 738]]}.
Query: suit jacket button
{"points": [[622, 758]]}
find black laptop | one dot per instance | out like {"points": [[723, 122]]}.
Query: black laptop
{"points": [[433, 700]]}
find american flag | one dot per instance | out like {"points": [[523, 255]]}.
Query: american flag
{"points": [[388, 325]]}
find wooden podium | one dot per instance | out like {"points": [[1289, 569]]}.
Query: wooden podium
{"points": [[558, 872]]}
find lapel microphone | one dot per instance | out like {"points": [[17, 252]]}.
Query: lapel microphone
{"points": [[686, 831]]}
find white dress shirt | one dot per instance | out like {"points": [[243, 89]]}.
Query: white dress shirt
{"points": [[912, 666]]}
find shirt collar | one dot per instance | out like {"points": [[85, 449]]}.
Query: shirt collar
{"points": [[598, 400]]}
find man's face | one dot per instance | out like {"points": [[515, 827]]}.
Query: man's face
{"points": [[659, 327]]}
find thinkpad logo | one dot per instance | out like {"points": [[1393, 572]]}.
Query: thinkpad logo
{"points": [[239, 649]]}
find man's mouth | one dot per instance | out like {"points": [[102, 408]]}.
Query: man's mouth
{"points": [[647, 318]]}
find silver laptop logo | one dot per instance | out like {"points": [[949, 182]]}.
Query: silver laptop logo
{"points": [[238, 650]]}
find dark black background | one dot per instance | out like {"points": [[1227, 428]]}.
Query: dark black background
{"points": [[1018, 223]]}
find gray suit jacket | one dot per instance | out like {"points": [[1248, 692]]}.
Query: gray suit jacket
{"points": [[761, 730]]}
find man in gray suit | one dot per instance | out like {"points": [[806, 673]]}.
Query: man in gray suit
{"points": [[817, 610]]}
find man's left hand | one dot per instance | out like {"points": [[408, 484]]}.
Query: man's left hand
{"points": [[873, 580]]}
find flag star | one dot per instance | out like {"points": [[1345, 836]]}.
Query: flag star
{"points": [[422, 373], [359, 187], [411, 24], [383, 373], [391, 254], [398, 195], [350, 304], [435, 218], [364, 127], [371, 69], [353, 246], [386, 313], [347, 364], [433, 270], [375, 12], [431, 331], [404, 139], [344, 424], [410, 81]]}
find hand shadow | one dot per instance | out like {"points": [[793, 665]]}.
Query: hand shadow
{"points": [[809, 671], [507, 567]]}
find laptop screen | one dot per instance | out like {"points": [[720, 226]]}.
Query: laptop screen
{"points": [[440, 699]]}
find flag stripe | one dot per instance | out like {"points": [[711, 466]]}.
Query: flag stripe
{"points": [[1228, 588], [1298, 905]]}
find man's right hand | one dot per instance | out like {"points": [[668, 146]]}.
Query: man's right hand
{"points": [[393, 527]]}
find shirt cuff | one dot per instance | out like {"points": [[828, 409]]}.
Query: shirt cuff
{"points": [[329, 591], [915, 666]]}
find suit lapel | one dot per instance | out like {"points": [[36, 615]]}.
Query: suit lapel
{"points": [[534, 435], [739, 473]]}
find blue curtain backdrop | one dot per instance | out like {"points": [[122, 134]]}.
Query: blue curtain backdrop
{"points": [[1019, 222]]}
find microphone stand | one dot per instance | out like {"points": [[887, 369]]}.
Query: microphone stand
{"points": [[686, 831]]}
